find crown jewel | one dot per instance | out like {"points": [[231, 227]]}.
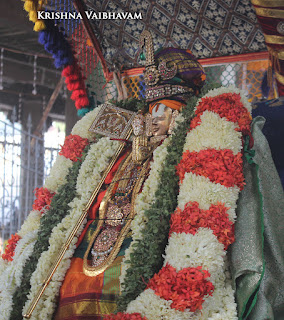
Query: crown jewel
{"points": [[170, 72], [152, 73]]}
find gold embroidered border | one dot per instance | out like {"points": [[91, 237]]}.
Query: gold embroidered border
{"points": [[267, 3], [270, 13], [279, 77], [274, 39]]}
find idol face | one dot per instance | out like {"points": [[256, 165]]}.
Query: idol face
{"points": [[161, 119]]}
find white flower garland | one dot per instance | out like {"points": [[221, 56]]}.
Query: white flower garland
{"points": [[11, 277], [198, 138], [11, 271], [56, 178], [58, 173], [206, 193], [31, 224], [95, 163], [202, 249], [82, 126], [190, 251], [221, 304], [152, 307], [3, 265]]}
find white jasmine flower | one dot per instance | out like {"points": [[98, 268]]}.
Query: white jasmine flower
{"points": [[153, 307], [201, 189], [58, 173], [30, 224], [191, 251], [213, 132], [82, 127]]}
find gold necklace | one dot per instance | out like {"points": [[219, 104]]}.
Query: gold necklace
{"points": [[114, 219]]}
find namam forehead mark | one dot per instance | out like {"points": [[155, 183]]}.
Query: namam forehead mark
{"points": [[161, 110]]}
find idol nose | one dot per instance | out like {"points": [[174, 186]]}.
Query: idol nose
{"points": [[154, 121]]}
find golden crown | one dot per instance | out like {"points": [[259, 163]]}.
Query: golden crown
{"points": [[152, 73]]}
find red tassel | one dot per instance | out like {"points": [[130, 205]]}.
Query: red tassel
{"points": [[78, 94], [72, 77], [74, 86], [82, 102], [75, 95], [68, 70], [75, 82]]}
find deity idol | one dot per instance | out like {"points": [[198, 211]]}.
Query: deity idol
{"points": [[139, 210]]}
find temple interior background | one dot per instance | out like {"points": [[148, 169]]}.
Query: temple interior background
{"points": [[230, 38]]}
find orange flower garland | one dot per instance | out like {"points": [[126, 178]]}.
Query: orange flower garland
{"points": [[186, 288], [10, 247], [73, 147], [43, 198], [226, 105], [220, 166], [216, 219]]}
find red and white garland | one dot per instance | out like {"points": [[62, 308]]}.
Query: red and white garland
{"points": [[194, 282], [21, 245]]}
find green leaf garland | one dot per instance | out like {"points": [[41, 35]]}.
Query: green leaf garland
{"points": [[147, 258]]}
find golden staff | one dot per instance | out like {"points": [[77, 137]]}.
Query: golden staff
{"points": [[74, 231]]}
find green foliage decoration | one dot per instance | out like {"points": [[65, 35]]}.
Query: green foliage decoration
{"points": [[146, 259], [132, 104]]}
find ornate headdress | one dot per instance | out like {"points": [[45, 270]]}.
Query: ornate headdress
{"points": [[170, 72]]}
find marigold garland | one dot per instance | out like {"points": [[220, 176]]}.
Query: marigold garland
{"points": [[10, 247], [43, 199], [220, 166], [186, 288], [192, 218], [125, 316], [73, 147], [227, 105]]}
